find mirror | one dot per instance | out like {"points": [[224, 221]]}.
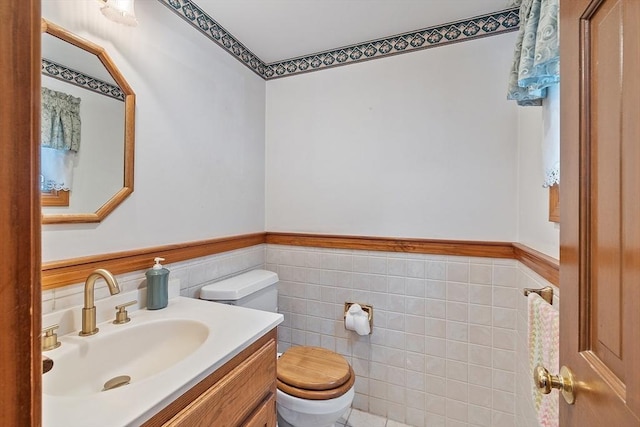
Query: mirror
{"points": [[102, 167]]}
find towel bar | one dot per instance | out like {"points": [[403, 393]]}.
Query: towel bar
{"points": [[546, 293]]}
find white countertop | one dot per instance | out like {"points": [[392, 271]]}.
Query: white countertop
{"points": [[231, 330]]}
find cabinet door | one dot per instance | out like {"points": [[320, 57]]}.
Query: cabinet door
{"points": [[264, 416], [235, 397]]}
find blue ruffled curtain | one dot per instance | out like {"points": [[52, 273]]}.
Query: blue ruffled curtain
{"points": [[537, 53]]}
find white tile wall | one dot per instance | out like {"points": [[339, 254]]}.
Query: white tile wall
{"points": [[449, 343], [192, 274], [443, 348]]}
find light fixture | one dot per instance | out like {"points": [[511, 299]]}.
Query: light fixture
{"points": [[120, 11]]}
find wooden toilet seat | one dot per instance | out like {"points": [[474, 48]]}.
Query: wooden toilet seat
{"points": [[314, 373]]}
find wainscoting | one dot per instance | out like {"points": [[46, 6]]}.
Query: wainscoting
{"points": [[449, 339], [449, 343]]}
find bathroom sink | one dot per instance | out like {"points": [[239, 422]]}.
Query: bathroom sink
{"points": [[84, 365], [165, 352]]}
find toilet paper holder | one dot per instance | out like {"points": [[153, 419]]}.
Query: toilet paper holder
{"points": [[365, 307]]}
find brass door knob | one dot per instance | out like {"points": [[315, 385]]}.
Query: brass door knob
{"points": [[564, 382]]}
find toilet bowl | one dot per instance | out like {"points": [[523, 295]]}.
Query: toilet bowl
{"points": [[315, 385], [295, 412]]}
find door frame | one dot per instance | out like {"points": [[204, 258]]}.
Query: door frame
{"points": [[20, 296]]}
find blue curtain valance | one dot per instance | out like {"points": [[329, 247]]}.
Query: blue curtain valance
{"points": [[537, 52]]}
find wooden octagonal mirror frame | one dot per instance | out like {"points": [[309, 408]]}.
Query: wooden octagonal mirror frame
{"points": [[128, 138]]}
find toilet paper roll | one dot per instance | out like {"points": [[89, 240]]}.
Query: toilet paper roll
{"points": [[352, 313], [357, 320], [355, 309], [348, 322], [361, 325]]}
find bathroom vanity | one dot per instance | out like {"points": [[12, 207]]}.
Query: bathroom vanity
{"points": [[240, 393], [192, 363]]}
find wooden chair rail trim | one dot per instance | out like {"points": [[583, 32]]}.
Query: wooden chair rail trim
{"points": [[61, 273], [66, 272], [407, 245], [546, 266]]}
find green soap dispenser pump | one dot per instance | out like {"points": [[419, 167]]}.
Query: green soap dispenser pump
{"points": [[157, 286]]}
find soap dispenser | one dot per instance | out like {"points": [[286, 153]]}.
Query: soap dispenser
{"points": [[157, 286]]}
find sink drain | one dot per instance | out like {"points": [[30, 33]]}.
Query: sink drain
{"points": [[116, 382]]}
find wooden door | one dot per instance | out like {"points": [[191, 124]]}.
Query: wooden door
{"points": [[20, 355], [600, 216]]}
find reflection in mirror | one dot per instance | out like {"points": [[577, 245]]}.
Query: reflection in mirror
{"points": [[96, 169]]}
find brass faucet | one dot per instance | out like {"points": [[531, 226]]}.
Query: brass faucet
{"points": [[89, 310]]}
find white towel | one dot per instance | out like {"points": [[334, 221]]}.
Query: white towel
{"points": [[544, 345]]}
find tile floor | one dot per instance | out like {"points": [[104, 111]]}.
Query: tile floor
{"points": [[356, 418]]}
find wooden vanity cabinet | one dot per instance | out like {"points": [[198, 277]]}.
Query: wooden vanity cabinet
{"points": [[240, 393], [264, 416]]}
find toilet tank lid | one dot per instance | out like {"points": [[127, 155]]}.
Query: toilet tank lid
{"points": [[237, 287]]}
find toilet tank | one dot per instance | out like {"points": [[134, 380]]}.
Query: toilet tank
{"points": [[254, 289]]}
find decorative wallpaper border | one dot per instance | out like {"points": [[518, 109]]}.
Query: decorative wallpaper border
{"points": [[201, 21], [468, 29], [60, 72], [481, 26]]}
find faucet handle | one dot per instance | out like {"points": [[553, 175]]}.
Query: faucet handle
{"points": [[50, 338], [121, 315]]}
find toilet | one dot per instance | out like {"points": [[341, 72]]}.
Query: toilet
{"points": [[315, 385]]}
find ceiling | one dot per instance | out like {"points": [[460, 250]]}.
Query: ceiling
{"points": [[276, 30]]}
